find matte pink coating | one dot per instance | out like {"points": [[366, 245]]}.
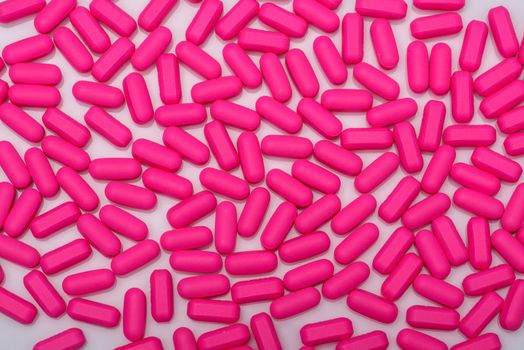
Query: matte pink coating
{"points": [[496, 164], [377, 172], [207, 310], [191, 209], [282, 20], [13, 166], [286, 146], [275, 77], [186, 238], [316, 14], [425, 211], [149, 343], [156, 155], [66, 127], [393, 112], [478, 203], [71, 339], [130, 195], [509, 248], [513, 144], [7, 198], [376, 81], [264, 332], [154, 13], [347, 100], [168, 183], [473, 45], [251, 262], [224, 183], [497, 76], [183, 338], [138, 98], [432, 254], [372, 306], [418, 66], [259, 40], [376, 340], [462, 106], [501, 101], [198, 60], [384, 43], [204, 21], [16, 308], [169, 78], [235, 115], [28, 49], [278, 114], [303, 247], [474, 178], [438, 169], [242, 65], [123, 222], [135, 257], [289, 188], [329, 331], [53, 14], [250, 157], [253, 212], [407, 147], [54, 220], [488, 341], [317, 214], [330, 60], [431, 317], [88, 282], [438, 291], [294, 303], [65, 256], [188, 146], [236, 18], [154, 45], [469, 135], [346, 280], [108, 126], [302, 73], [255, 290], [224, 338], [180, 114], [35, 73], [356, 243], [196, 261], [436, 25], [440, 69], [511, 316], [366, 138], [352, 38], [503, 31], [134, 314], [98, 235], [112, 60], [393, 250], [11, 10], [113, 16], [93, 312], [308, 275], [331, 4], [98, 94], [162, 307], [115, 168], [481, 314], [29, 95], [89, 30], [443, 5], [479, 243], [390, 9], [45, 295], [513, 214], [482, 282], [399, 200], [77, 188], [203, 286], [430, 132], [447, 235], [221, 145], [409, 339], [22, 212], [278, 226], [402, 276], [353, 214], [338, 158]]}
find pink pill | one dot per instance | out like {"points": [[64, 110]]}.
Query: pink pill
{"points": [[474, 178], [138, 98], [113, 59], [384, 43], [53, 14], [318, 15], [393, 250], [250, 157], [88, 282], [16, 308], [162, 307], [440, 69], [443, 5], [65, 256], [151, 48], [221, 145], [278, 226], [123, 223], [447, 235], [377, 172], [503, 31], [372, 306], [11, 10], [262, 289], [93, 312], [7, 197], [319, 118], [377, 340], [264, 331], [154, 13], [224, 183], [346, 280], [462, 106], [360, 208], [156, 155], [186, 145], [191, 209], [295, 303], [195, 261], [13, 166], [135, 257], [479, 243], [425, 211], [216, 89], [204, 21], [35, 73], [512, 218], [509, 248], [235, 19], [278, 114], [366, 138], [488, 341], [130, 195], [54, 220], [30, 95], [89, 30], [390, 9], [337, 158], [356, 243], [186, 238], [282, 20], [317, 214], [329, 331], [259, 40], [77, 188], [169, 78], [242, 65], [418, 66], [66, 127], [113, 16], [289, 188], [399, 199], [407, 147], [438, 169], [198, 60], [180, 114], [392, 112], [115, 169], [4, 87], [203, 286], [496, 164], [22, 213], [431, 317], [436, 25], [514, 144], [501, 101], [303, 247], [308, 275], [221, 311], [481, 314], [438, 291], [330, 60], [473, 45], [432, 254], [402, 276], [108, 126], [431, 126], [72, 338], [498, 76], [347, 100], [134, 314], [224, 338], [44, 293], [376, 81], [275, 77], [18, 252], [165, 182], [352, 38], [149, 343], [478, 203], [98, 235], [253, 213], [511, 316], [482, 282], [410, 339], [302, 73], [28, 49], [183, 338], [251, 262], [98, 94], [286, 146]]}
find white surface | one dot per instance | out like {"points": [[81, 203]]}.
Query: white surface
{"points": [[16, 336]]}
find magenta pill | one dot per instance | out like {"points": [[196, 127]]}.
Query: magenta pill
{"points": [[361, 208], [440, 69], [165, 182], [198, 60], [503, 31], [330, 60], [275, 77], [16, 308], [393, 250], [28, 49], [402, 276], [438, 169], [509, 248], [112, 60], [488, 341], [225, 227], [377, 172], [501, 101], [329, 331], [138, 98], [77, 188], [130, 195], [376, 81], [203, 286], [224, 183], [108, 126], [418, 66], [151, 48], [54, 220], [289, 188], [191, 209], [431, 317], [261, 289], [221, 145], [278, 226], [514, 144], [186, 238], [183, 338], [346, 280], [22, 212], [432, 254], [354, 245], [195, 261], [153, 154], [113, 16], [352, 38], [474, 178], [154, 13], [317, 214], [98, 235], [318, 15], [479, 244], [162, 307], [30, 95], [44, 293], [481, 314], [409, 339], [302, 73], [286, 146], [11, 10], [390, 9], [478, 203], [282, 20], [7, 198], [98, 94], [462, 107], [308, 275], [65, 256], [443, 5], [89, 30], [407, 147], [264, 332], [399, 200], [235, 19], [319, 118], [53, 14], [204, 21], [254, 211], [66, 127], [372, 306], [35, 73], [115, 169], [134, 314], [18, 252], [511, 316], [377, 340], [447, 235], [123, 223], [366, 138], [512, 217], [278, 114], [337, 157], [88, 282], [93, 312], [235, 115], [13, 166], [169, 78], [347, 100], [135, 257], [482, 282], [384, 43], [432, 123], [151, 343], [242, 65], [469, 135], [497, 76], [259, 40], [473, 46], [392, 112], [436, 25], [250, 157], [294, 303], [425, 211], [438, 291], [251, 262], [207, 310], [224, 338], [303, 247], [188, 146], [72, 338], [496, 164], [180, 114]]}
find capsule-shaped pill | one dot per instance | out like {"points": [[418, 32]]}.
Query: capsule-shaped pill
{"points": [[151, 48], [53, 14], [207, 310], [186, 145], [478, 203], [469, 135], [167, 183], [282, 20], [242, 65], [98, 94], [474, 178], [77, 188], [191, 209], [154, 13], [65, 256], [113, 16], [513, 144], [221, 145], [93, 312], [138, 98], [407, 147], [390, 9], [98, 235], [402, 276], [497, 76], [195, 261], [510, 317], [113, 59], [66, 127], [259, 40], [224, 338], [169, 78], [509, 248], [54, 220], [377, 172], [303, 247], [384, 43], [501, 101], [289, 188], [482, 282], [481, 314], [18, 252], [28, 49], [115, 169], [330, 60], [438, 169], [496, 164], [44, 294], [286, 146], [356, 243], [372, 306], [393, 250], [203, 286], [319, 118], [88, 282], [186, 238], [329, 331], [436, 25], [399, 199], [488, 341], [374, 340], [479, 244], [183, 338], [130, 195], [35, 73], [302, 73], [366, 138], [89, 30], [279, 114], [12, 10], [134, 314], [392, 112], [30, 95], [438, 291], [462, 96], [135, 257], [123, 223], [13, 166], [261, 289], [108, 126], [352, 38], [156, 155], [410, 339], [224, 183], [418, 66], [278, 226], [443, 5], [431, 317], [440, 69], [275, 77], [198, 60], [512, 218], [162, 307], [22, 213], [317, 214], [250, 157], [473, 46], [294, 303], [253, 212], [16, 308], [264, 331], [346, 280], [337, 157], [235, 19], [432, 253], [204, 21], [503, 31], [376, 81], [447, 235], [431, 126], [347, 100], [251, 262], [235, 115], [360, 208], [308, 275], [181, 114], [72, 338], [318, 15], [425, 211]]}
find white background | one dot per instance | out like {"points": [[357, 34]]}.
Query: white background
{"points": [[16, 336]]}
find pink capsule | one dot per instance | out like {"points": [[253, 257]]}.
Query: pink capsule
{"points": [[366, 138], [135, 257], [376, 81], [98, 235], [282, 20], [329, 331], [440, 69], [462, 107], [264, 331], [251, 262], [66, 127], [18, 252], [303, 247], [88, 282], [7, 198], [450, 241], [407, 147], [262, 289], [115, 169], [181, 114], [501, 101], [113, 59], [165, 182], [498, 76], [337, 157], [317, 214], [289, 188], [513, 144], [98, 94], [346, 280], [478, 203], [134, 314], [352, 38], [72, 338], [509, 248], [22, 212], [354, 245], [13, 166], [221, 311], [28, 49], [399, 199], [432, 254], [169, 78], [242, 65], [253, 213], [473, 45], [113, 16], [186, 145], [496, 164], [436, 25], [53, 14], [488, 341], [392, 112], [77, 188], [377, 340], [123, 223], [138, 98], [191, 209], [438, 291], [224, 183], [372, 306], [431, 126], [183, 338], [250, 157], [513, 217], [130, 195], [430, 317], [438, 169], [286, 146], [35, 73], [154, 13], [503, 31], [360, 209], [195, 261], [425, 211], [511, 316], [204, 21], [275, 77], [330, 60], [198, 60], [151, 48], [108, 126], [278, 114], [418, 66], [203, 286], [377, 172], [390, 9], [44, 294], [65, 256], [481, 314], [410, 339], [479, 243], [259, 40], [11, 10], [4, 87], [317, 15], [89, 30], [474, 178], [393, 250], [235, 115], [302, 73], [186, 238], [226, 226], [92, 312], [347, 100], [278, 226], [223, 338], [443, 5], [162, 307], [153, 154], [16, 308], [319, 118], [482, 282], [54, 220], [221, 145], [384, 43], [30, 95], [294, 303], [151, 343], [308, 275], [402, 276], [235, 19]]}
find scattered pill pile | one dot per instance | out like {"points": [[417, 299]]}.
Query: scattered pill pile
{"points": [[420, 251]]}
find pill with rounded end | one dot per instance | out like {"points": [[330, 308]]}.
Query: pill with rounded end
{"points": [[393, 250], [93, 312], [204, 286], [65, 256], [46, 296], [438, 291], [88, 282], [294, 303], [356, 243], [98, 235], [108, 126], [432, 254], [251, 262], [77, 188], [289, 188], [328, 331], [72, 338], [411, 339], [372, 306], [134, 314], [196, 261], [135, 257], [191, 209], [130, 195], [255, 290], [425, 211]]}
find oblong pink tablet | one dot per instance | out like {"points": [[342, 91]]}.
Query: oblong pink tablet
{"points": [[251, 262], [204, 21], [235, 115], [473, 46], [482, 282], [113, 16], [330, 60], [438, 291], [123, 222], [478, 203], [77, 188], [16, 308], [488, 341], [512, 217], [346, 280], [134, 314], [151, 343], [509, 248], [264, 332], [436, 25], [108, 126], [402, 276], [278, 226], [347, 100], [130, 195], [474, 178], [462, 106], [138, 98], [18, 252], [135, 257], [65, 256], [443, 5], [22, 212], [13, 166], [479, 244], [183, 338], [113, 59], [481, 314], [72, 338], [89, 30], [328, 331], [250, 157], [186, 238], [377, 172], [317, 213], [431, 317], [513, 144], [254, 211], [438, 169], [191, 209], [54, 220], [447, 235], [115, 169], [98, 235], [221, 145], [196, 261], [308, 275], [207, 310], [165, 182], [151, 48], [279, 114], [224, 183], [510, 317], [356, 243], [418, 66], [425, 211], [304, 247], [384, 43], [282, 20], [44, 293], [12, 10], [352, 38], [337, 157], [501, 101], [236, 18], [319, 118], [289, 188], [317, 15], [154, 13], [496, 164], [366, 138], [286, 146], [187, 145], [376, 81], [302, 73], [28, 49], [390, 9], [399, 200], [469, 135], [294, 303], [53, 14], [162, 307], [410, 339], [440, 69], [392, 112], [261, 289], [30, 95], [242, 65], [35, 73], [275, 77], [497, 76], [93, 312], [169, 78], [259, 40], [372, 306], [224, 338], [180, 114], [21, 122], [373, 340], [432, 254], [98, 94], [503, 31], [407, 147], [430, 132], [154, 154], [203, 286], [360, 208], [198, 60], [66, 127], [393, 250], [88, 282]]}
